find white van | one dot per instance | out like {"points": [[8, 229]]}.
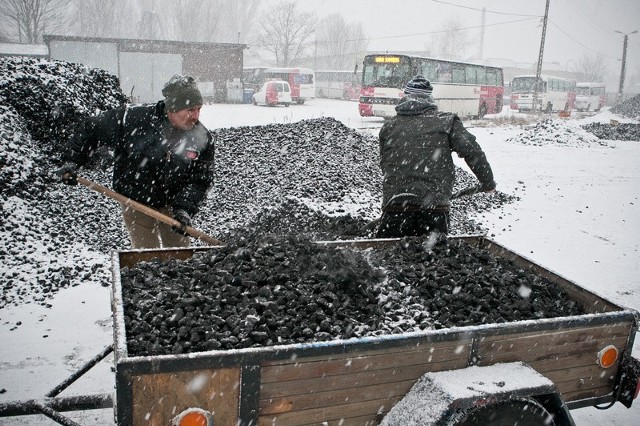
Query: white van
{"points": [[272, 93]]}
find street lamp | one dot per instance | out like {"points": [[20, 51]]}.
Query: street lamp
{"points": [[624, 61]]}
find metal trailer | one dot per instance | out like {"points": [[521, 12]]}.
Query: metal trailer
{"points": [[560, 364], [358, 381]]}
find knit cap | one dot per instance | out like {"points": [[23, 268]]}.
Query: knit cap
{"points": [[181, 92], [418, 85]]}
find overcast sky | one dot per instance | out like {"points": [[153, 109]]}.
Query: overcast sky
{"points": [[512, 30]]}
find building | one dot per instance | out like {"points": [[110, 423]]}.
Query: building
{"points": [[143, 66]]}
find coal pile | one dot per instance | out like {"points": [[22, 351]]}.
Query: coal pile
{"points": [[619, 132], [281, 290], [557, 132], [629, 108]]}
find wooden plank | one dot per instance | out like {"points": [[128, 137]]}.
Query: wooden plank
{"points": [[157, 398], [581, 394], [588, 350], [331, 414], [272, 371], [608, 330], [316, 397], [334, 397]]}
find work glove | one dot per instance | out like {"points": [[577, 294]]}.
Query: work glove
{"points": [[68, 173], [184, 219], [488, 186]]}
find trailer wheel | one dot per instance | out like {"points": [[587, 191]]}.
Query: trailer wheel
{"points": [[521, 412]]}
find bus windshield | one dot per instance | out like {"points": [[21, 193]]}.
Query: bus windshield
{"points": [[386, 75], [524, 85]]}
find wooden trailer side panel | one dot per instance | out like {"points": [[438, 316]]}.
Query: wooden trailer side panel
{"points": [[567, 356], [357, 388], [161, 396]]}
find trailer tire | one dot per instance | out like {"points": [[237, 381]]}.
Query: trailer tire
{"points": [[523, 412]]}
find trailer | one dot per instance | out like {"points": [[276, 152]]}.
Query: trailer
{"points": [[541, 368]]}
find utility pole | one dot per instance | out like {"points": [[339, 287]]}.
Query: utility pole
{"points": [[481, 53], [624, 61], [540, 55]]}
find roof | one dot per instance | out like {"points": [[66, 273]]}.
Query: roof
{"points": [[16, 49]]}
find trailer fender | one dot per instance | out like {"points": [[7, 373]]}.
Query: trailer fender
{"points": [[508, 393]]}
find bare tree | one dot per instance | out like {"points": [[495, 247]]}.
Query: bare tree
{"points": [[339, 45], [451, 42], [591, 67], [25, 21], [100, 18], [286, 34]]}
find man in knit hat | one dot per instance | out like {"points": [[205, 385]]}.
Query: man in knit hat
{"points": [[163, 158], [416, 147]]}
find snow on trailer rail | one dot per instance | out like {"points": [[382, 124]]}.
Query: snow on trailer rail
{"points": [[359, 380]]}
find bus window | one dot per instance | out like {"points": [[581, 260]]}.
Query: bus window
{"points": [[458, 74], [470, 76], [444, 73], [482, 76], [492, 79], [429, 70]]}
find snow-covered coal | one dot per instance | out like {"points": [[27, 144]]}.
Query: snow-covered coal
{"points": [[629, 108], [557, 131], [316, 178], [281, 290], [614, 132]]}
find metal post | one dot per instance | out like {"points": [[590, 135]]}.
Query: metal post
{"points": [[624, 62], [536, 89]]}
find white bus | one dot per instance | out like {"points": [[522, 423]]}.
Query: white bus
{"points": [[554, 93], [301, 80], [469, 90], [590, 96], [338, 84]]}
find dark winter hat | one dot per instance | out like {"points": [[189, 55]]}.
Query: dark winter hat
{"points": [[418, 85], [181, 92]]}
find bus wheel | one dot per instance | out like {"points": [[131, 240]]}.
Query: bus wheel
{"points": [[483, 111], [300, 101]]}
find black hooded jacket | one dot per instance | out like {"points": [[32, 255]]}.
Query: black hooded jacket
{"points": [[415, 155], [154, 163]]}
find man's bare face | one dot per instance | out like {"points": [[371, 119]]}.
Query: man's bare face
{"points": [[184, 119]]}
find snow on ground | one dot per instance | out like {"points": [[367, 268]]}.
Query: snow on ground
{"points": [[578, 215]]}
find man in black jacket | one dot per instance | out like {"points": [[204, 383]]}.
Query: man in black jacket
{"points": [[163, 158], [416, 149]]}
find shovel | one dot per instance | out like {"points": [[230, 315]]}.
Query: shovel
{"points": [[470, 190], [195, 233]]}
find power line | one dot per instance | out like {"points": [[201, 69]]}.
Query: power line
{"points": [[444, 31], [488, 11], [578, 42]]}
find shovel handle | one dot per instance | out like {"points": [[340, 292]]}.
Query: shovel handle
{"points": [[195, 233]]}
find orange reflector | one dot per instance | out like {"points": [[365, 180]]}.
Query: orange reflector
{"points": [[607, 356], [193, 417]]}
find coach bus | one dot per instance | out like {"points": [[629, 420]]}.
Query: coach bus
{"points": [[338, 84], [590, 96], [301, 80], [554, 93], [469, 90]]}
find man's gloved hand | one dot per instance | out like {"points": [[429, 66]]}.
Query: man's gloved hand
{"points": [[488, 187], [68, 173], [184, 219]]}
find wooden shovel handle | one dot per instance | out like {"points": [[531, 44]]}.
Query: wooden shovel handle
{"points": [[195, 233]]}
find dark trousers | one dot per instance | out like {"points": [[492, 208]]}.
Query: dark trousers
{"points": [[414, 223]]}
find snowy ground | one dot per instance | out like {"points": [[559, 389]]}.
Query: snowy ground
{"points": [[578, 215]]}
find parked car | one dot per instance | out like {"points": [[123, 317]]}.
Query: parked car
{"points": [[276, 92]]}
